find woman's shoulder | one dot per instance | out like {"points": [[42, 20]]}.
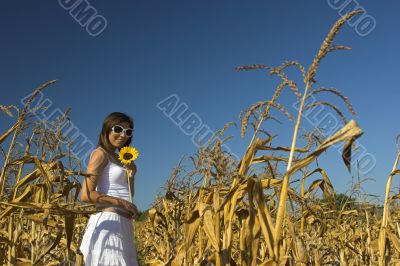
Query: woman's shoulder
{"points": [[98, 161], [99, 154]]}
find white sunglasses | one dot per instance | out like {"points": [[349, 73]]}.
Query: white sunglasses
{"points": [[119, 129]]}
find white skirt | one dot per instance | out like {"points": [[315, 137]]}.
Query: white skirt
{"points": [[108, 240]]}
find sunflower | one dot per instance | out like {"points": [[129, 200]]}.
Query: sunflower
{"points": [[128, 154]]}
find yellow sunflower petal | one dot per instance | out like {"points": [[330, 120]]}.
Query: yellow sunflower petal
{"points": [[128, 154]]}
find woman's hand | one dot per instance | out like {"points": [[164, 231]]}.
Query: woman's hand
{"points": [[130, 207], [131, 169]]}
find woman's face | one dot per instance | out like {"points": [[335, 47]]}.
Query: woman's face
{"points": [[118, 139]]}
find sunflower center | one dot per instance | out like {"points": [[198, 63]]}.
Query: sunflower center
{"points": [[128, 156]]}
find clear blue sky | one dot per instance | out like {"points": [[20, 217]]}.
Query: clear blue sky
{"points": [[151, 49]]}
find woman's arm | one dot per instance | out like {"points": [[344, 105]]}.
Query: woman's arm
{"points": [[132, 169]]}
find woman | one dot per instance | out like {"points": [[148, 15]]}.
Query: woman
{"points": [[108, 238]]}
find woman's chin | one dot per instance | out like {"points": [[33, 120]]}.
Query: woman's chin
{"points": [[119, 144]]}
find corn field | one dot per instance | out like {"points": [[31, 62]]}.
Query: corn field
{"points": [[42, 221], [254, 211]]}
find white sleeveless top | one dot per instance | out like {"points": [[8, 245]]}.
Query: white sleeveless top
{"points": [[113, 181]]}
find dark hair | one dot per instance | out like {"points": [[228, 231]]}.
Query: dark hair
{"points": [[111, 120]]}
